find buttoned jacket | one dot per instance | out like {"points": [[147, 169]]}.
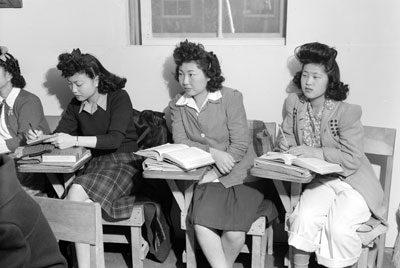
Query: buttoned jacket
{"points": [[221, 124], [342, 143]]}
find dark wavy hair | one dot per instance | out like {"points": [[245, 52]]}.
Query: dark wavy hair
{"points": [[207, 61], [324, 55], [12, 67], [77, 62]]}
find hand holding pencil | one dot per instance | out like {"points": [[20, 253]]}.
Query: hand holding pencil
{"points": [[283, 142]]}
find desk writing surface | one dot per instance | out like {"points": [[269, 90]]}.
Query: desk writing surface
{"points": [[42, 168], [194, 175]]}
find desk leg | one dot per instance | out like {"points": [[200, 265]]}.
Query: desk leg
{"points": [[183, 200], [189, 234], [60, 182]]}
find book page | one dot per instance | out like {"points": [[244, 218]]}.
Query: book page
{"points": [[318, 165], [158, 152], [41, 139], [190, 158], [278, 156]]}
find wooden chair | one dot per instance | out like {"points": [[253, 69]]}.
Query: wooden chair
{"points": [[379, 144], [261, 234], [76, 222], [130, 233]]}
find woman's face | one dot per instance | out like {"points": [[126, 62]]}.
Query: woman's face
{"points": [[5, 78], [83, 87], [192, 78], [314, 81]]}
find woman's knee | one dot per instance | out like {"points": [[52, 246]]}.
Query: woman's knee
{"points": [[77, 193], [234, 237]]}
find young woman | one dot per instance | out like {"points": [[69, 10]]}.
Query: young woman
{"points": [[19, 109], [212, 117], [319, 124], [99, 118]]}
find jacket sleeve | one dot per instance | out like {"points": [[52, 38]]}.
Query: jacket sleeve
{"points": [[178, 129], [30, 112], [288, 121], [237, 126], [13, 246], [349, 153]]}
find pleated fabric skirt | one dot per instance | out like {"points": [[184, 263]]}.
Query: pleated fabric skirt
{"points": [[112, 181], [229, 209]]}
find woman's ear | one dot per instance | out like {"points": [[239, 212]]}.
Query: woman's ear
{"points": [[8, 76], [96, 80]]}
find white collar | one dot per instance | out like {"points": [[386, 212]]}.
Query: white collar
{"points": [[187, 100], [101, 102], [12, 96]]}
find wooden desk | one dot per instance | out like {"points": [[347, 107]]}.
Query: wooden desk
{"points": [[183, 199], [51, 171], [289, 199]]}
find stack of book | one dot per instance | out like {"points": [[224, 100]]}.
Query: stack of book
{"points": [[175, 157], [66, 157], [283, 165]]}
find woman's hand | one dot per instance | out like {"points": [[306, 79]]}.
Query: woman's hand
{"points": [[283, 145], [306, 151], [33, 135], [208, 177], [223, 160], [62, 140]]}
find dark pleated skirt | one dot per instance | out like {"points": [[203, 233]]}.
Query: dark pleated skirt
{"points": [[229, 209], [112, 180]]}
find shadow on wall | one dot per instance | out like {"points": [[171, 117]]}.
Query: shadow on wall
{"points": [[293, 66], [172, 85], [58, 86]]}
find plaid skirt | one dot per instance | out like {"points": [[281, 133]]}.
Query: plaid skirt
{"points": [[112, 180]]}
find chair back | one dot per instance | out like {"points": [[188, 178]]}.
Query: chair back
{"points": [[379, 144], [262, 135], [74, 221]]}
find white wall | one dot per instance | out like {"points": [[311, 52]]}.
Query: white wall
{"points": [[365, 32]]}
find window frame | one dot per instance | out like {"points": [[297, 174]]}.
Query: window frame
{"points": [[142, 34]]}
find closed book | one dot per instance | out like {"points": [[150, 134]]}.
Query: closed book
{"points": [[67, 155], [279, 167]]}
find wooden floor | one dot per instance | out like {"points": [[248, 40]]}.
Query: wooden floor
{"points": [[117, 257]]}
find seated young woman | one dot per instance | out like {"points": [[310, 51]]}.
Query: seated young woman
{"points": [[318, 123], [99, 118], [212, 117], [19, 109]]}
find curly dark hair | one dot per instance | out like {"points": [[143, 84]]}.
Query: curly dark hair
{"points": [[12, 67], [324, 55], [77, 62], [207, 61]]}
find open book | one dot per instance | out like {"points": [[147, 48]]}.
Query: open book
{"points": [[40, 140], [179, 154], [314, 164]]}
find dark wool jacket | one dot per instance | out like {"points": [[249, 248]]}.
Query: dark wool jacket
{"points": [[26, 239]]}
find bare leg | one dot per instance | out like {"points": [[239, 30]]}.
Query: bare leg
{"points": [[210, 243], [300, 258], [77, 193], [232, 243]]}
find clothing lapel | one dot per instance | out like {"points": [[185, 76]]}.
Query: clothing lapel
{"points": [[326, 116]]}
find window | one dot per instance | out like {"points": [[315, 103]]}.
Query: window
{"points": [[209, 21]]}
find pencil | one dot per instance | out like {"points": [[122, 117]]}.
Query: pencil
{"points": [[30, 125], [283, 135]]}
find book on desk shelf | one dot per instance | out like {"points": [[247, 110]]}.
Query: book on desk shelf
{"points": [[179, 154], [67, 155], [313, 164]]}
